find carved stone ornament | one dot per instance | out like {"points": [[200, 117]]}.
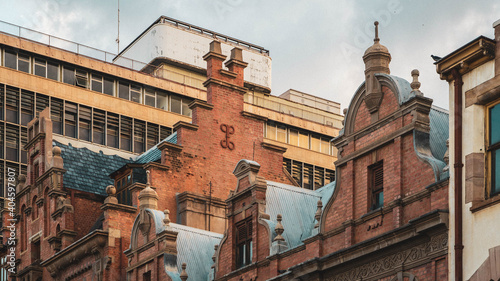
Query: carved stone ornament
{"points": [[228, 130]]}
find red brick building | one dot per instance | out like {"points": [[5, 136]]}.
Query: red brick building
{"points": [[384, 218]]}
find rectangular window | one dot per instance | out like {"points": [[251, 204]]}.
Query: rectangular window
{"points": [[162, 100], [494, 148], [84, 122], [152, 135], [165, 132], [271, 130], [297, 172], [96, 83], [1, 145], [244, 243], [135, 93], [281, 133], [308, 176], [27, 106], [185, 108], [40, 68], [52, 71], [123, 91], [56, 113], [98, 120], [70, 113], [325, 145], [42, 102], [12, 143], [319, 177], [81, 78], [294, 137], [23, 63], [139, 136], [69, 75], [12, 105], [175, 104], [10, 59], [126, 133], [304, 140], [376, 183], [113, 125], [2, 105], [150, 98], [109, 86], [315, 143]]}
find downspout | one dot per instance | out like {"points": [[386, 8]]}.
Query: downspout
{"points": [[458, 167]]}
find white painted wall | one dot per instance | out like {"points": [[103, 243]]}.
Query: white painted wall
{"points": [[480, 229], [187, 46]]}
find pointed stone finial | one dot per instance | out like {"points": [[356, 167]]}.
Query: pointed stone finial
{"points": [[376, 32], [415, 85], [148, 176], [166, 220], [184, 275], [317, 216], [279, 229]]}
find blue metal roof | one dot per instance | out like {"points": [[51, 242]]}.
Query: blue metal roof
{"points": [[87, 170], [440, 131], [195, 247], [297, 207], [154, 154]]}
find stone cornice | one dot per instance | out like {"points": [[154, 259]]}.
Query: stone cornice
{"points": [[254, 116], [483, 93], [225, 84], [273, 147], [76, 251], [34, 140], [155, 165], [119, 207], [183, 124], [201, 103], [167, 145]]}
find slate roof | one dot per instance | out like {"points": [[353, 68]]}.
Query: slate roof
{"points": [[87, 170], [440, 131], [297, 207], [154, 154], [195, 247]]}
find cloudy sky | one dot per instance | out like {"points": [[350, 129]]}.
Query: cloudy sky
{"points": [[316, 46]]}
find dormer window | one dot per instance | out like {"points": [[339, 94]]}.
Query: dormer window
{"points": [[376, 184], [244, 243]]}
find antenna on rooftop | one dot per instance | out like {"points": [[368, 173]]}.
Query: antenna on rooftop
{"points": [[118, 38]]}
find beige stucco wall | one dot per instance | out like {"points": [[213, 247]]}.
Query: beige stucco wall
{"points": [[479, 229]]}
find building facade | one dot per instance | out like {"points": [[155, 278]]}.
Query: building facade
{"points": [[473, 72], [134, 125]]}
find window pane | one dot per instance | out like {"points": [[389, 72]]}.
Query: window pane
{"points": [[161, 101], [495, 124], [109, 86], [52, 71], [294, 137], [175, 104], [135, 93], [304, 140], [70, 120], [69, 75], [23, 63], [123, 91], [495, 183], [10, 59], [40, 67], [84, 123], [126, 133], [271, 130], [149, 98], [325, 146], [185, 108], [315, 143], [96, 83], [281, 133]]}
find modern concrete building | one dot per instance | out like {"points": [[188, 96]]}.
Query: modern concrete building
{"points": [[473, 74]]}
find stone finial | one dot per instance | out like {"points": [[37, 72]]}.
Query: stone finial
{"points": [[415, 85], [376, 39], [184, 275], [237, 54], [57, 161], [111, 191], [279, 229], [317, 216], [215, 47], [148, 198], [148, 178], [166, 220]]}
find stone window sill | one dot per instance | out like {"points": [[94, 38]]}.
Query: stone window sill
{"points": [[477, 206]]}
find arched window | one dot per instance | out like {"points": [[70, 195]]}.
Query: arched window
{"points": [[34, 209]]}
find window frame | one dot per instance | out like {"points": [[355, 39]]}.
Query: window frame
{"points": [[491, 151], [375, 186], [245, 243]]}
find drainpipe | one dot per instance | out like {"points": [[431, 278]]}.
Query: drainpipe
{"points": [[458, 167]]}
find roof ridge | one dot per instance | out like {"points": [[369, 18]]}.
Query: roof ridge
{"points": [[293, 188]]}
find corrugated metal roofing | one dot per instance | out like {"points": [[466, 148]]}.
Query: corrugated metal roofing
{"points": [[154, 154], [87, 170], [195, 247], [439, 133], [297, 207]]}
